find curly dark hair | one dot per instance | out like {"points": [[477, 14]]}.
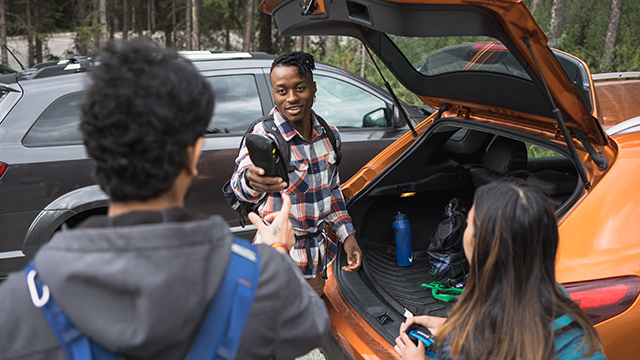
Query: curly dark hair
{"points": [[302, 60], [144, 107]]}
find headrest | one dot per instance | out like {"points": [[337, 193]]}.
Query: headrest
{"points": [[505, 156]]}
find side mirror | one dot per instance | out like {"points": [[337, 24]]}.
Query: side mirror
{"points": [[375, 118]]}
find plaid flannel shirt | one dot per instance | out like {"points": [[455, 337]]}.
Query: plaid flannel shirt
{"points": [[314, 188]]}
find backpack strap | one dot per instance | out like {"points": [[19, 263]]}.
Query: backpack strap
{"points": [[332, 138], [75, 344], [224, 325]]}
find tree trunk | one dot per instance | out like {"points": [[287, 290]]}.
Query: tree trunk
{"points": [[38, 27], [535, 4], [125, 19], [287, 44], [363, 59], [153, 16], [29, 34], [82, 35], [612, 33], [265, 33], [138, 15], [301, 43], [112, 20], [174, 22], [248, 26], [149, 14], [195, 12], [4, 57], [330, 46], [557, 17], [189, 33], [102, 9]]}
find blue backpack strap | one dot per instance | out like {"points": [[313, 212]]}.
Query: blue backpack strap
{"points": [[224, 325], [74, 343]]}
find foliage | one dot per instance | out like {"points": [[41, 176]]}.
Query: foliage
{"points": [[585, 29], [221, 25], [535, 151], [584, 32]]}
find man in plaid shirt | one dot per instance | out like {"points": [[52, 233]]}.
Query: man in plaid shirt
{"points": [[314, 186]]}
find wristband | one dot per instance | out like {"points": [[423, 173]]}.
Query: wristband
{"points": [[280, 245]]}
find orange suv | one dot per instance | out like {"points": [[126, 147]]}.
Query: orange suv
{"points": [[508, 104]]}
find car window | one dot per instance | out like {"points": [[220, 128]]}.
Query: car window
{"points": [[58, 124], [345, 105], [535, 151], [441, 55], [237, 103]]}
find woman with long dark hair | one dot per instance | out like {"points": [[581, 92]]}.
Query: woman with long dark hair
{"points": [[512, 307]]}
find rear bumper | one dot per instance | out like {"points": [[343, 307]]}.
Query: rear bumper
{"points": [[332, 349], [351, 336]]}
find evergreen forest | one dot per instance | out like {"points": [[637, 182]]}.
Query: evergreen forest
{"points": [[604, 33]]}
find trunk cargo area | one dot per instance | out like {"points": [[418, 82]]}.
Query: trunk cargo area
{"points": [[451, 161]]}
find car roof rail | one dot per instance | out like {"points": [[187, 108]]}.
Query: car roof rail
{"points": [[205, 55], [73, 64], [616, 75]]}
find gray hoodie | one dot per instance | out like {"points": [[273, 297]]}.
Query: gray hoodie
{"points": [[141, 287]]}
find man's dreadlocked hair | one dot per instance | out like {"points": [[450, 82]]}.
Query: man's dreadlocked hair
{"points": [[303, 61]]}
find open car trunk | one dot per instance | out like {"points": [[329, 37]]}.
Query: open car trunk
{"points": [[450, 160]]}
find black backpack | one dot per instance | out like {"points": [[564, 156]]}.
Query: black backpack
{"points": [[446, 253], [244, 207]]}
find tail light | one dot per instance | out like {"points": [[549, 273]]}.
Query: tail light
{"points": [[605, 298], [3, 167]]}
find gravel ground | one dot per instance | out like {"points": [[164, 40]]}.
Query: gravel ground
{"points": [[313, 355]]}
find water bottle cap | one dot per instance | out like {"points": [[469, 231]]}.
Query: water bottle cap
{"points": [[400, 216]]}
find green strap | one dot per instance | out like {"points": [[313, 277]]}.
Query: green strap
{"points": [[436, 286]]}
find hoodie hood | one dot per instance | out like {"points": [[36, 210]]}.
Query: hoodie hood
{"points": [[114, 285]]}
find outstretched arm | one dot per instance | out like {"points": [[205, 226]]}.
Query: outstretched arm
{"points": [[248, 182]]}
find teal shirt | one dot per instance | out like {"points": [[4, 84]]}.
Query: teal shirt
{"points": [[568, 342]]}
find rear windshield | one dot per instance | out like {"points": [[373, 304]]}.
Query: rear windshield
{"points": [[440, 55]]}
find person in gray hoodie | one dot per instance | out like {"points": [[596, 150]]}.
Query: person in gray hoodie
{"points": [[139, 280]]}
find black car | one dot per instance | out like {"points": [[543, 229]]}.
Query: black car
{"points": [[46, 176]]}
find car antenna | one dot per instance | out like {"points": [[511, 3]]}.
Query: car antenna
{"points": [[393, 95], [16, 59]]}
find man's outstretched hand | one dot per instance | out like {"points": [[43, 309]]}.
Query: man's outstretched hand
{"points": [[354, 254], [263, 184]]}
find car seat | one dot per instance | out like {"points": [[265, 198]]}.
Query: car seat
{"points": [[503, 157], [559, 186]]}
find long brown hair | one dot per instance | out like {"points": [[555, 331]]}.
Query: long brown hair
{"points": [[511, 293]]}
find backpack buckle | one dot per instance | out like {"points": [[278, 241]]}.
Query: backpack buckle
{"points": [[33, 290]]}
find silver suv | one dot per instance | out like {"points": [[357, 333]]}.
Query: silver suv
{"points": [[46, 176]]}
